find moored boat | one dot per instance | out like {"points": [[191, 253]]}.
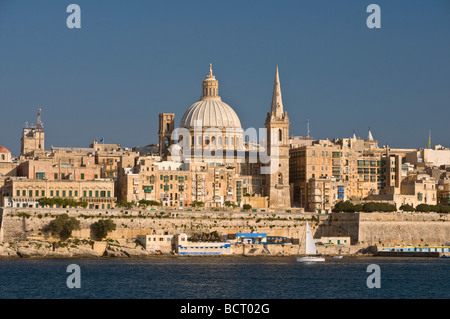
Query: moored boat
{"points": [[310, 249]]}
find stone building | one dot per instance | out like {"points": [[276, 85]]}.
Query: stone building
{"points": [[33, 138], [24, 192]]}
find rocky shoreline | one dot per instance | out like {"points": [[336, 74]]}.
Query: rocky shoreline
{"points": [[43, 249], [113, 249]]}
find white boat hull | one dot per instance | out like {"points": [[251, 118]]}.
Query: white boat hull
{"points": [[310, 259]]}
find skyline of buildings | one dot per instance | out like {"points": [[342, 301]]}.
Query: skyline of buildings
{"points": [[210, 159]]}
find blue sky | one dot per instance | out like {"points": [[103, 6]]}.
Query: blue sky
{"points": [[132, 60]]}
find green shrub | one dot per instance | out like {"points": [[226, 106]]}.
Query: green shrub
{"points": [[407, 208]]}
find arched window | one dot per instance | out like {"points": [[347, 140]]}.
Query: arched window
{"points": [[280, 179], [167, 127], [193, 141], [280, 135], [220, 140], [200, 141], [226, 141]]}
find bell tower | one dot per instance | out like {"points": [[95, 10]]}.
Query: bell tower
{"points": [[166, 127], [33, 137], [277, 128]]}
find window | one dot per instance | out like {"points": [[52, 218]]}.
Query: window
{"points": [[40, 175], [30, 193], [76, 193], [64, 193], [70, 193], [51, 193], [95, 176], [57, 193], [96, 193], [82, 175], [90, 193], [56, 175], [63, 176], [36, 193], [24, 193], [109, 193], [17, 192], [84, 193]]}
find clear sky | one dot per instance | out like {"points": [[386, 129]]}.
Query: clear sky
{"points": [[132, 60]]}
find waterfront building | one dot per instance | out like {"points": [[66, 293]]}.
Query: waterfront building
{"points": [[185, 247], [24, 192], [162, 243]]}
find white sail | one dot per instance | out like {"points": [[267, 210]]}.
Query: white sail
{"points": [[310, 245]]}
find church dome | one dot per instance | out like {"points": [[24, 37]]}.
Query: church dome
{"points": [[210, 110], [4, 150]]}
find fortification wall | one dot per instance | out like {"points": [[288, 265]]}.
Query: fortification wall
{"points": [[382, 229], [407, 228], [388, 229], [25, 223]]}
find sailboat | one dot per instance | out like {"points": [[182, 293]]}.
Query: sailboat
{"points": [[310, 248]]}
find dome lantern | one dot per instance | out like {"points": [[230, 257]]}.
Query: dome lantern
{"points": [[210, 86]]}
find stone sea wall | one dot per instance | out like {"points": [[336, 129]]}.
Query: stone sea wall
{"points": [[364, 229], [389, 229], [27, 223]]}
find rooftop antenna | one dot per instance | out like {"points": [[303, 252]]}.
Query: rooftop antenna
{"points": [[38, 120]]}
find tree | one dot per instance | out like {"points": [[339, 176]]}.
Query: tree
{"points": [[102, 227], [197, 204], [247, 206], [342, 206], [122, 203], [145, 203], [63, 225]]}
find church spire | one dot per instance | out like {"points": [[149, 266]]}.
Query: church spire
{"points": [[277, 102], [369, 136]]}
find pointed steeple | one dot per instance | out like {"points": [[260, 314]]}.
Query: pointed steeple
{"points": [[354, 135], [369, 136], [277, 102]]}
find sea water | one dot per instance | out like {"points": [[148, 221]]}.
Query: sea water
{"points": [[225, 277]]}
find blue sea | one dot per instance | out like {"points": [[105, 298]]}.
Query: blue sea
{"points": [[225, 277]]}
